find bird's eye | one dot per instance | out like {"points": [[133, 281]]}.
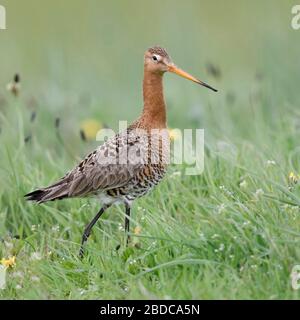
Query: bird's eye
{"points": [[154, 58]]}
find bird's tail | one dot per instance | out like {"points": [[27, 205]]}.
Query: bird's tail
{"points": [[56, 191]]}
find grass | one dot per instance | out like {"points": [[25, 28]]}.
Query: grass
{"points": [[232, 232]]}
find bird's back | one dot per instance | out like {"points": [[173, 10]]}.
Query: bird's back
{"points": [[126, 166]]}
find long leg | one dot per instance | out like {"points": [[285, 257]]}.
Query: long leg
{"points": [[88, 228], [127, 216]]}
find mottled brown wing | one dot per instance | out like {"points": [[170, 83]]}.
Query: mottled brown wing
{"points": [[103, 170]]}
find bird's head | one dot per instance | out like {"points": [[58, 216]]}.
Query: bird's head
{"points": [[157, 60]]}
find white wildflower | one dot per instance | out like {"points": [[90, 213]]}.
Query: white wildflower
{"points": [[176, 174], [55, 228], [270, 163], [258, 193], [35, 279], [82, 291], [9, 245], [18, 274], [221, 208], [244, 184], [36, 256], [246, 223]]}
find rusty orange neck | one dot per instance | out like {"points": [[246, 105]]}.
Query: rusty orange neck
{"points": [[154, 112]]}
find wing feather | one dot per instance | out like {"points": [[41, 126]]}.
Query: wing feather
{"points": [[99, 172]]}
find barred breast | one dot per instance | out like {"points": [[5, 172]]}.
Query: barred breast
{"points": [[150, 153]]}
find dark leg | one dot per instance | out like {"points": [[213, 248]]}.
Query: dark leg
{"points": [[127, 216], [88, 228]]}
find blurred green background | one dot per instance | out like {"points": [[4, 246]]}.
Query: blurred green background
{"points": [[232, 232], [93, 50]]}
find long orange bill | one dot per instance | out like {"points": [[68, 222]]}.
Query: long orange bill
{"points": [[180, 72]]}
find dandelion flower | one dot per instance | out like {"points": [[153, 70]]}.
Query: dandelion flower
{"points": [[293, 178], [10, 262], [174, 134], [90, 128], [137, 230]]}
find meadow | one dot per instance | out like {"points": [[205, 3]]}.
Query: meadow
{"points": [[232, 232]]}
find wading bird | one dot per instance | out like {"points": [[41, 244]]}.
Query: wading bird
{"points": [[132, 162]]}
